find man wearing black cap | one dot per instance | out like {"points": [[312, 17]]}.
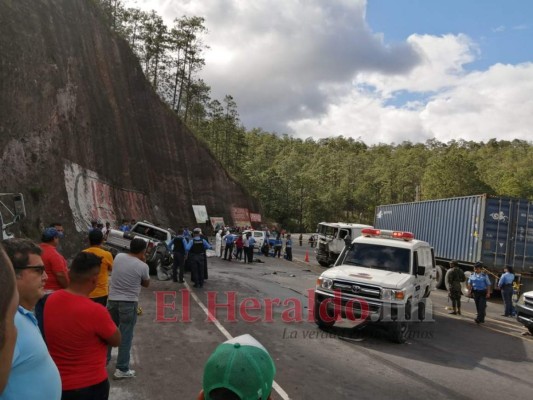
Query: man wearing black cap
{"points": [[456, 276], [479, 286]]}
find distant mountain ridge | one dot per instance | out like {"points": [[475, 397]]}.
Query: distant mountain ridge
{"points": [[82, 133]]}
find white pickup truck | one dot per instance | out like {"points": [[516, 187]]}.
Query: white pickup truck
{"points": [[383, 276], [157, 254]]}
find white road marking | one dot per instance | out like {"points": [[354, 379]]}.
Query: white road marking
{"points": [[228, 336]]}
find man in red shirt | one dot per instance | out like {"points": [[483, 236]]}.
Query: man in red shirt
{"points": [[55, 263], [78, 331], [55, 267]]}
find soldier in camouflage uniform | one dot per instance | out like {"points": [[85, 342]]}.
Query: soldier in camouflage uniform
{"points": [[455, 278]]}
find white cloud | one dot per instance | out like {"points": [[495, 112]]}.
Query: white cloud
{"points": [[442, 64], [484, 105], [275, 57], [315, 68], [479, 106]]}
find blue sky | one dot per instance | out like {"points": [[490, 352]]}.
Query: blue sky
{"points": [[381, 71], [502, 29]]}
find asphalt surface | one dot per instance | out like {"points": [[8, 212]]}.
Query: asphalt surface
{"points": [[446, 357]]}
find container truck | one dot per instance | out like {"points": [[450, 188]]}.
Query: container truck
{"points": [[495, 230]]}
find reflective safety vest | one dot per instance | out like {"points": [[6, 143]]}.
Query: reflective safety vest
{"points": [[197, 246]]}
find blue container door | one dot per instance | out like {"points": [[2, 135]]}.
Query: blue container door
{"points": [[522, 260], [508, 234], [497, 233]]}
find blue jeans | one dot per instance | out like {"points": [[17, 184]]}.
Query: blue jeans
{"points": [[124, 315], [507, 295]]}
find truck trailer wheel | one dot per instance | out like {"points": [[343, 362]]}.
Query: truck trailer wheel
{"points": [[324, 264], [318, 319], [441, 273]]}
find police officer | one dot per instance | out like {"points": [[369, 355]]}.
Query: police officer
{"points": [[206, 238], [196, 254], [506, 286], [277, 246], [479, 286], [456, 276], [251, 247], [228, 244], [288, 247], [178, 247]]}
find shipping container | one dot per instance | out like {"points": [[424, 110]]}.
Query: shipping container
{"points": [[495, 230]]}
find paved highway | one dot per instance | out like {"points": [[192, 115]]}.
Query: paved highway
{"points": [[447, 357]]}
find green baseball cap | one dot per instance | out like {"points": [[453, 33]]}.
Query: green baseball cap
{"points": [[241, 365]]}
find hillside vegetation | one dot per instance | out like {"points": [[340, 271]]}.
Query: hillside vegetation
{"points": [[302, 182]]}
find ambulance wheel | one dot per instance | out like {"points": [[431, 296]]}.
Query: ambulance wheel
{"points": [[399, 331], [441, 273], [322, 324]]}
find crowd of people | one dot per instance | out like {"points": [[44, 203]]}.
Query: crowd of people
{"points": [[240, 244], [478, 287], [59, 322], [62, 321], [189, 252]]}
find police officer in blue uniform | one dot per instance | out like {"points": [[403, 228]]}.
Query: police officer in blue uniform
{"points": [[479, 286], [228, 244], [251, 246], [277, 246], [178, 248], [288, 247], [506, 286], [196, 254]]}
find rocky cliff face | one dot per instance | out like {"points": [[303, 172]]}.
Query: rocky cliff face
{"points": [[83, 135]]}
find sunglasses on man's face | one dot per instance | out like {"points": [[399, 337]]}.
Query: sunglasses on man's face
{"points": [[38, 268]]}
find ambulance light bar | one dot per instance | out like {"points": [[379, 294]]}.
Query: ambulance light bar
{"points": [[371, 232]]}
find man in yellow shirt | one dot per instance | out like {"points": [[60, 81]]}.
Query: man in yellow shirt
{"points": [[100, 293]]}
